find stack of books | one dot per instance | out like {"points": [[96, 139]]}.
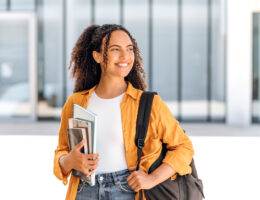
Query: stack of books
{"points": [[83, 125]]}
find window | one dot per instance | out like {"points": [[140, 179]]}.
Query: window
{"points": [[256, 68], [181, 43]]}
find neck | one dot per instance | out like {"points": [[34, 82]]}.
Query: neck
{"points": [[110, 87]]}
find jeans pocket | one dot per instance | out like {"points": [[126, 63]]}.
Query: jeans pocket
{"points": [[123, 185]]}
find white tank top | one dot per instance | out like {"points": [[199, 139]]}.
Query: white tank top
{"points": [[110, 143]]}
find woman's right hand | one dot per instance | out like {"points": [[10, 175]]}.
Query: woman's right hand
{"points": [[85, 163]]}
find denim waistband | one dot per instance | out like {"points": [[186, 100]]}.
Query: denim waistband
{"points": [[112, 177]]}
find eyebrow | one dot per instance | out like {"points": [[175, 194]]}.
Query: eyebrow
{"points": [[115, 45]]}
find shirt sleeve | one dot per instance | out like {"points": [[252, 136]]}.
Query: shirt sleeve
{"points": [[63, 145], [180, 149]]}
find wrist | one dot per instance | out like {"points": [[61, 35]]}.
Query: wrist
{"points": [[153, 179], [65, 164]]}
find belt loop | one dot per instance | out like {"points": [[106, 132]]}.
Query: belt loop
{"points": [[115, 178]]}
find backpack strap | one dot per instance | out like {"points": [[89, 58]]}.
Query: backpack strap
{"points": [[144, 111], [143, 117]]}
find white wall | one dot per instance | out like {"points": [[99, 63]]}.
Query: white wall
{"points": [[239, 60]]}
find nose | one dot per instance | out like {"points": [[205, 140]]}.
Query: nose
{"points": [[123, 53]]}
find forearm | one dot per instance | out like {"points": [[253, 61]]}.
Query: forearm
{"points": [[180, 158], [162, 173]]}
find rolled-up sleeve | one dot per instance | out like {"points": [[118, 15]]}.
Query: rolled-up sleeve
{"points": [[180, 149], [63, 145]]}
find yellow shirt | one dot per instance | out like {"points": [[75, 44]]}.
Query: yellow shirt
{"points": [[162, 128]]}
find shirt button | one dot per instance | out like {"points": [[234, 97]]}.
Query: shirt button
{"points": [[101, 178]]}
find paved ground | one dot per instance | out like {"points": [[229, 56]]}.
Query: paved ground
{"points": [[192, 129], [227, 159]]}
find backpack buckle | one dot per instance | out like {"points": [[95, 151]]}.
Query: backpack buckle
{"points": [[140, 143]]}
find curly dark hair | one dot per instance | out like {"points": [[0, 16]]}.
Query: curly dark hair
{"points": [[87, 72]]}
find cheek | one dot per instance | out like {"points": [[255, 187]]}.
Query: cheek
{"points": [[132, 57], [112, 56]]}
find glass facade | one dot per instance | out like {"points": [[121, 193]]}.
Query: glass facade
{"points": [[217, 61], [51, 75], [14, 68], [194, 60], [256, 68], [2, 5], [25, 5], [136, 20], [79, 16], [107, 12], [181, 42], [17, 64], [17, 5], [165, 52]]}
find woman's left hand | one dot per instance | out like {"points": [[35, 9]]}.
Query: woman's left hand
{"points": [[138, 180]]}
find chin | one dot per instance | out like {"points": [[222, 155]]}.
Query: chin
{"points": [[125, 74]]}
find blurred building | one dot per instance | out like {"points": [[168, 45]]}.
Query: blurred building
{"points": [[202, 56]]}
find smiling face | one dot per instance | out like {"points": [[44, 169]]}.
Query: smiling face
{"points": [[120, 55]]}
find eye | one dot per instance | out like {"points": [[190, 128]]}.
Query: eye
{"points": [[115, 49], [131, 49]]}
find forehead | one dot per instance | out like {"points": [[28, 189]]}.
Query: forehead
{"points": [[120, 37]]}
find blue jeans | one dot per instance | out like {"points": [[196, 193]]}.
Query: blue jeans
{"points": [[109, 186]]}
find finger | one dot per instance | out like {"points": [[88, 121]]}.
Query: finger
{"points": [[131, 179], [95, 156], [135, 186], [79, 145], [91, 166], [131, 176], [132, 183], [92, 156], [94, 167], [137, 189], [94, 162], [91, 162]]}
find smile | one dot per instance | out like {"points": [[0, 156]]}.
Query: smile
{"points": [[122, 64]]}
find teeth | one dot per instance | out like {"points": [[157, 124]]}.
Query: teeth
{"points": [[123, 65]]}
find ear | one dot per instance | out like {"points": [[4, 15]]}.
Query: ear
{"points": [[97, 56]]}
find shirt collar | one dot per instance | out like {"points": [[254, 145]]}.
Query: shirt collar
{"points": [[131, 91]]}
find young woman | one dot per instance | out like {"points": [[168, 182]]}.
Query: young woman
{"points": [[107, 67]]}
